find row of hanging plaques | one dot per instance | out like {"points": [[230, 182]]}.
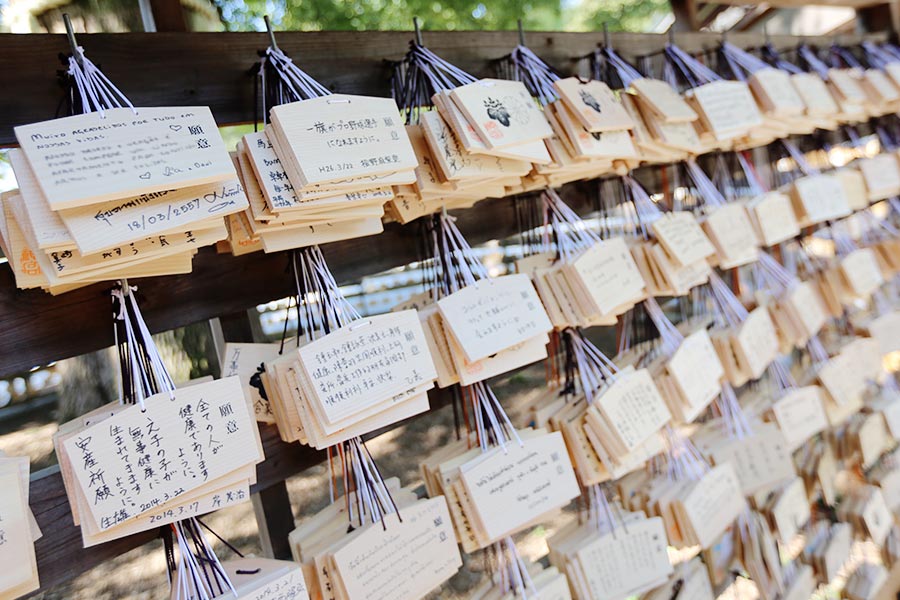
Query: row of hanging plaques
{"points": [[329, 167]]}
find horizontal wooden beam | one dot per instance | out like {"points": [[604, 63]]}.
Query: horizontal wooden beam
{"points": [[36, 328], [215, 69]]}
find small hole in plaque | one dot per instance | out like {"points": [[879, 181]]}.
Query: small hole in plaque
{"points": [[360, 324]]}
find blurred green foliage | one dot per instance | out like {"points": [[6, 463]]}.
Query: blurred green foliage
{"points": [[619, 15], [361, 15]]}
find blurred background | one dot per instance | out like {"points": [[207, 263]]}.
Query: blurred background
{"points": [[778, 16]]}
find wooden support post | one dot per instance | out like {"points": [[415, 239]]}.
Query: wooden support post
{"points": [[168, 15], [275, 520], [239, 327], [233, 327], [271, 505], [879, 17], [754, 17], [708, 13], [685, 12]]}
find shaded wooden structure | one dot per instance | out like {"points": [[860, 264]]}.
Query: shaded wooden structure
{"points": [[215, 69]]}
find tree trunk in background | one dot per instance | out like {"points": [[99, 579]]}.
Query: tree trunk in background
{"points": [[88, 382]]}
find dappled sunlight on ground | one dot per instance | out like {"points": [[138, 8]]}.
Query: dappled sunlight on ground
{"points": [[32, 440]]}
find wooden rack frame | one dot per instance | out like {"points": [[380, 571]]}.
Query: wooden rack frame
{"points": [[215, 69]]}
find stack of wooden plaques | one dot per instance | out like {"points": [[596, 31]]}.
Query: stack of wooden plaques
{"points": [[781, 104], [478, 326], [611, 424], [480, 139], [375, 557], [828, 548], [576, 153], [696, 503], [361, 375], [592, 282], [126, 192], [530, 477], [667, 126], [616, 560], [186, 453], [746, 341], [770, 212], [818, 198], [517, 340], [800, 414], [545, 582], [592, 131], [254, 577], [726, 224], [19, 529], [448, 175], [757, 451], [496, 118], [672, 256], [688, 391], [323, 169], [796, 307], [315, 403], [727, 109]]}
